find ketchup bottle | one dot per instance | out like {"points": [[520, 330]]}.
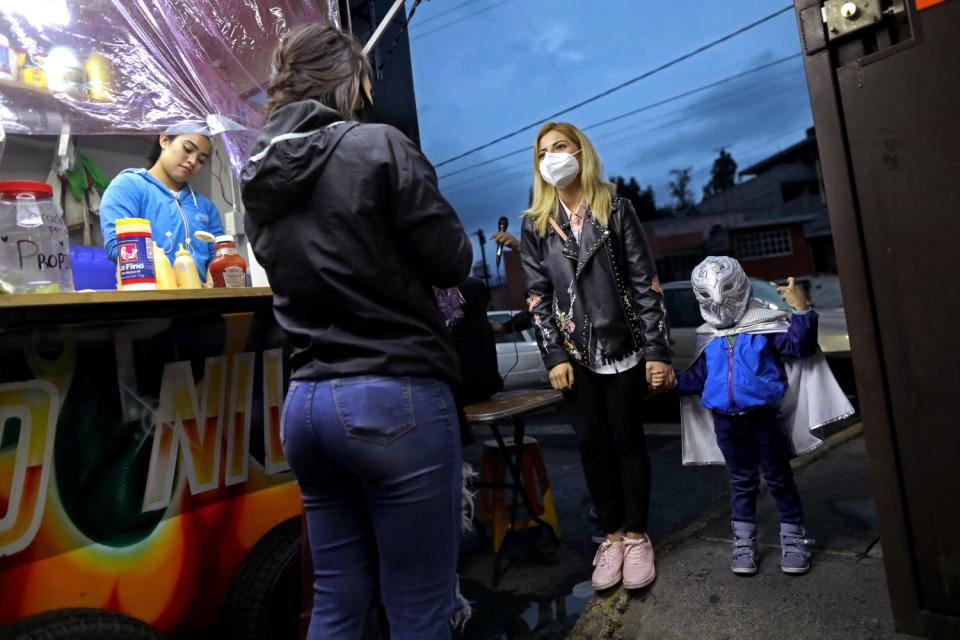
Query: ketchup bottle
{"points": [[228, 268]]}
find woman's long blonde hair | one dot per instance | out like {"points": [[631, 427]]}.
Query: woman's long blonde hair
{"points": [[596, 191]]}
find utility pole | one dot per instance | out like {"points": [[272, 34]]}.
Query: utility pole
{"points": [[482, 239]]}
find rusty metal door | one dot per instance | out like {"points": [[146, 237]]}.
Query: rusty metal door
{"points": [[885, 90]]}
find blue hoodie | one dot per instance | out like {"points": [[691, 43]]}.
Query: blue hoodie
{"points": [[173, 216]]}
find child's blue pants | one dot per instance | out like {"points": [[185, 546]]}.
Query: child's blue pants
{"points": [[752, 440]]}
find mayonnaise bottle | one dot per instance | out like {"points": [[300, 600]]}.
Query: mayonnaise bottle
{"points": [[166, 278], [135, 255]]}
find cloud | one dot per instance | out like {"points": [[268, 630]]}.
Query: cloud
{"points": [[558, 42], [740, 116]]}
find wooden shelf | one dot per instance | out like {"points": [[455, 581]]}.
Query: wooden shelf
{"points": [[30, 300], [46, 309]]}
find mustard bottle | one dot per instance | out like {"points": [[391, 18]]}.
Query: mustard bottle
{"points": [[186, 270], [166, 278]]}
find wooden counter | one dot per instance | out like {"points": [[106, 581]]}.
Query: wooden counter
{"points": [[22, 309]]}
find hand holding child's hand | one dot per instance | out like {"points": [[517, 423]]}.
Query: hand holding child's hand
{"points": [[793, 295], [660, 376], [658, 379]]}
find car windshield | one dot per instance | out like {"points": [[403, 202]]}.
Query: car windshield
{"points": [[767, 292]]}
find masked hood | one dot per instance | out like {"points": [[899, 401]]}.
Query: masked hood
{"points": [[722, 290], [291, 150]]}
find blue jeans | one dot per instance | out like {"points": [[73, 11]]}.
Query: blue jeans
{"points": [[758, 439], [378, 461]]}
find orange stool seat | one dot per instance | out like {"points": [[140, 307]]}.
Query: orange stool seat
{"points": [[492, 508]]}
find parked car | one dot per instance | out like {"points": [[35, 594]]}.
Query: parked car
{"points": [[518, 357], [684, 313]]}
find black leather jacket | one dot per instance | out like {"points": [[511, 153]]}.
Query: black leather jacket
{"points": [[593, 303]]}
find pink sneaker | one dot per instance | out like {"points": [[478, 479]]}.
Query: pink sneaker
{"points": [[638, 569], [608, 565]]}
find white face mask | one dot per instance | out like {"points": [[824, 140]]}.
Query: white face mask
{"points": [[559, 169]]}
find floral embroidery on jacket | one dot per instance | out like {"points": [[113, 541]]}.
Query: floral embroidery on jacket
{"points": [[566, 325], [533, 301]]}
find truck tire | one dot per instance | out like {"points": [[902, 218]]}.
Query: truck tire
{"points": [[80, 624], [263, 600]]}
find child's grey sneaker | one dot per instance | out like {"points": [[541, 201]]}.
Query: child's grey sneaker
{"points": [[744, 561], [795, 553]]}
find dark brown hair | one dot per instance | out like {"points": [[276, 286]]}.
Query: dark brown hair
{"points": [[317, 62], [155, 150]]}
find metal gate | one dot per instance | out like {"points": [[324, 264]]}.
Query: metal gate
{"points": [[885, 90]]}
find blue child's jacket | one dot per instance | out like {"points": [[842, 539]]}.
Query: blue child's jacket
{"points": [[745, 371]]}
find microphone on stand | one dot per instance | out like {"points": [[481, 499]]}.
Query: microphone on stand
{"points": [[501, 227]]}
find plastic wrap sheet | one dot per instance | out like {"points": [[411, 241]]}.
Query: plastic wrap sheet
{"points": [[138, 66]]}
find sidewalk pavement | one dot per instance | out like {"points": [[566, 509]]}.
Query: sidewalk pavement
{"points": [[696, 596]]}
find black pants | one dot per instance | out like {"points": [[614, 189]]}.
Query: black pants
{"points": [[607, 418]]}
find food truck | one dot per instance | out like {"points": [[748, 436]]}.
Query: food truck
{"points": [[143, 487]]}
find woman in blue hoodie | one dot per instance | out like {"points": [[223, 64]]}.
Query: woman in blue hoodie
{"points": [[162, 195]]}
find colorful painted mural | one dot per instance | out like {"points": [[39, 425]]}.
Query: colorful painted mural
{"points": [[139, 463]]}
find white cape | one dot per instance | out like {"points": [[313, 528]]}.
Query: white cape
{"points": [[813, 399]]}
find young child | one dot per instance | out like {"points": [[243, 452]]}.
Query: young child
{"points": [[757, 387]]}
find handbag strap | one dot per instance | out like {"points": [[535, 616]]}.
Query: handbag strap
{"points": [[556, 227]]}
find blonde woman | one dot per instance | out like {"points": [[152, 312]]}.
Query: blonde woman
{"points": [[589, 279]]}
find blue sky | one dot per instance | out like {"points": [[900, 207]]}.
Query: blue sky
{"points": [[483, 68]]}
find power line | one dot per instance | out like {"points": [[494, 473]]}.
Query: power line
{"points": [[404, 27], [514, 175], [646, 107], [418, 35], [437, 16], [748, 160], [718, 106], [508, 174], [511, 173], [620, 86], [721, 105]]}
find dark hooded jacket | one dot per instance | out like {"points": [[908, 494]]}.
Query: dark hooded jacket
{"points": [[349, 224]]}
